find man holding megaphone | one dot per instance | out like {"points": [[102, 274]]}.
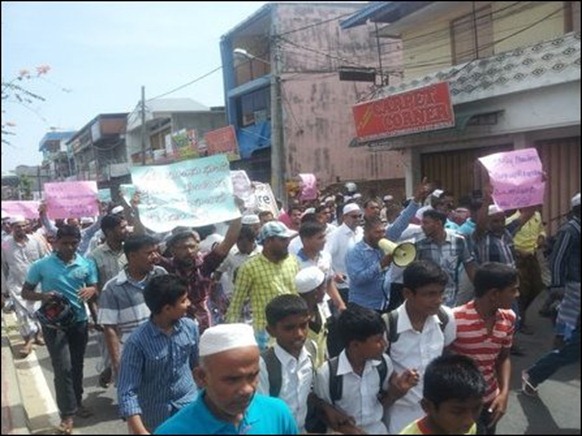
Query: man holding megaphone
{"points": [[367, 264]]}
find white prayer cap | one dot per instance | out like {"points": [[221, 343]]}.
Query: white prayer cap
{"points": [[86, 220], [494, 209], [17, 219], [329, 199], [437, 193], [308, 279], [307, 211], [351, 207], [224, 337], [250, 219], [388, 197], [117, 209], [575, 201]]}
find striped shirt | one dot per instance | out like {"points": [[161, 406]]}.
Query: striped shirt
{"points": [[122, 304], [449, 255], [475, 342], [493, 248], [155, 377], [261, 280], [108, 262]]}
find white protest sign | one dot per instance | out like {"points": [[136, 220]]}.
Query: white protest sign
{"points": [[243, 188], [192, 193], [265, 198]]}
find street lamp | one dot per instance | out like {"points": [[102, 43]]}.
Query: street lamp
{"points": [[278, 167]]}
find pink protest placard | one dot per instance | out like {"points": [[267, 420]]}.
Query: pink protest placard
{"points": [[71, 199], [308, 187], [516, 177], [27, 209]]}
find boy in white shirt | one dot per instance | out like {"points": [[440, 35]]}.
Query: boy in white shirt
{"points": [[286, 369], [361, 381]]}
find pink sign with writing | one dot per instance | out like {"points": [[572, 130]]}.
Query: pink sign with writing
{"points": [[27, 209], [516, 177], [71, 199]]}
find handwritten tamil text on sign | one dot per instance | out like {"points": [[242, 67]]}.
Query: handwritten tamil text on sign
{"points": [[516, 177], [422, 109], [27, 209], [71, 199], [192, 193]]}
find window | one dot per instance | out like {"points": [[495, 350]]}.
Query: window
{"points": [[468, 44], [254, 107]]}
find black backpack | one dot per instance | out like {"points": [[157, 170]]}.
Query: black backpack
{"points": [[391, 321], [275, 372], [336, 381]]}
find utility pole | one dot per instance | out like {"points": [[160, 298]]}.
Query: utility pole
{"points": [[278, 164], [143, 127]]}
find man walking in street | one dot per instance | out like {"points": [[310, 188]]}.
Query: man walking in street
{"points": [[19, 251], [66, 273]]}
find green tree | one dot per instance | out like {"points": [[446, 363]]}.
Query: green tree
{"points": [[25, 187]]}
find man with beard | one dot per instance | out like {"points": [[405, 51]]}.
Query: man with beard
{"points": [[122, 306], [187, 262], [366, 267], [446, 248], [228, 404], [263, 277], [19, 251]]}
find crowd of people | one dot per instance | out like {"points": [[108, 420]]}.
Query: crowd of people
{"points": [[298, 321]]}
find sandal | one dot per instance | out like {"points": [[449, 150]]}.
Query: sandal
{"points": [[25, 351], [65, 427], [38, 340], [526, 387]]}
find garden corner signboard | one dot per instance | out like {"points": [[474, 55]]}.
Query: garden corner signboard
{"points": [[419, 110]]}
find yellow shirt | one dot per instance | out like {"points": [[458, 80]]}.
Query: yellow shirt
{"points": [[415, 428], [526, 239], [261, 280]]}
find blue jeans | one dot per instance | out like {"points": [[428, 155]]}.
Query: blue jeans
{"points": [[555, 359], [67, 352]]}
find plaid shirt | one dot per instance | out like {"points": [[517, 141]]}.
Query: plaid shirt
{"points": [[261, 280], [493, 248], [449, 256], [200, 284]]}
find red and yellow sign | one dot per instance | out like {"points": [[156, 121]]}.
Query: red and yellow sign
{"points": [[222, 141], [419, 110]]}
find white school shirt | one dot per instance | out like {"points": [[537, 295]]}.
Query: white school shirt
{"points": [[415, 350], [359, 394], [296, 382]]}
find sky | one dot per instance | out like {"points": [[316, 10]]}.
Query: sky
{"points": [[100, 54]]}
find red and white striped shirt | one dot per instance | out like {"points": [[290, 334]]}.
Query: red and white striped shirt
{"points": [[475, 342]]}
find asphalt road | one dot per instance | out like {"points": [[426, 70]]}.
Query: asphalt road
{"points": [[556, 411]]}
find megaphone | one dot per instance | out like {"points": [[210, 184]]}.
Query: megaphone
{"points": [[402, 254]]}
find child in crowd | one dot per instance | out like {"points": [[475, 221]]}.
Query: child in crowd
{"points": [[361, 381], [452, 397], [485, 327], [418, 332], [286, 369], [311, 286], [155, 377]]}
